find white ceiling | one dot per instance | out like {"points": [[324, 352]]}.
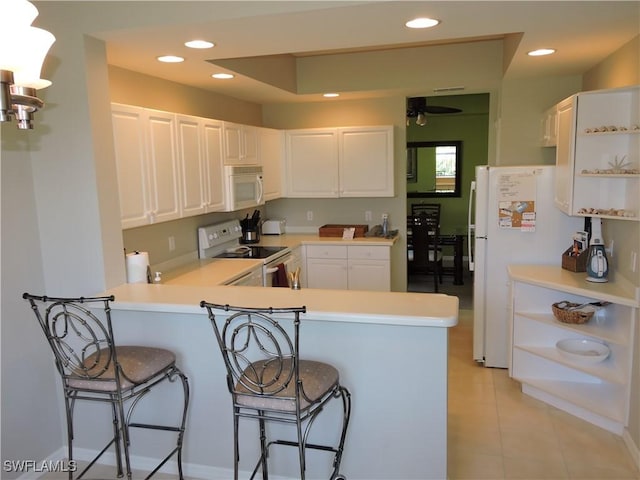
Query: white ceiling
{"points": [[583, 32]]}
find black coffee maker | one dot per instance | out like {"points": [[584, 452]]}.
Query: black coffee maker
{"points": [[251, 228]]}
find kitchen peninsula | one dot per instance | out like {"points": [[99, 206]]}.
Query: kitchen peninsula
{"points": [[390, 348]]}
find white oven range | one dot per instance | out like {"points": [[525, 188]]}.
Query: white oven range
{"points": [[222, 240]]}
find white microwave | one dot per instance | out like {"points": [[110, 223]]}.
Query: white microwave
{"points": [[243, 187]]}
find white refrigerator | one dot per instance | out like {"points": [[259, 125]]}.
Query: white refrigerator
{"points": [[512, 219]]}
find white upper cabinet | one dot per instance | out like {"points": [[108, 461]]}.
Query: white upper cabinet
{"points": [[366, 161], [241, 144], [146, 161], [312, 163], [213, 153], [598, 154], [340, 162], [200, 161], [271, 157], [192, 173]]}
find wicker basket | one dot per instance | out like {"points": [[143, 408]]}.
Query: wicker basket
{"points": [[562, 311]]}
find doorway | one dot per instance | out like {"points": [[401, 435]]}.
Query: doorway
{"points": [[467, 129]]}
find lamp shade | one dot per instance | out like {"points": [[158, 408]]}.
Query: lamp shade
{"points": [[19, 13], [22, 51]]}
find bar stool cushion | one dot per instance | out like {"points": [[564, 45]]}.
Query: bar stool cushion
{"points": [[139, 364], [317, 379]]}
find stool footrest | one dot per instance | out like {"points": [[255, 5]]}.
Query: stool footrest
{"points": [[155, 427], [308, 445]]}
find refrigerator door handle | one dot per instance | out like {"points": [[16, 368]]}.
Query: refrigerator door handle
{"points": [[471, 226]]}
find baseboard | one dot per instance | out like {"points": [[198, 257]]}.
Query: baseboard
{"points": [[33, 470], [634, 450], [191, 470]]}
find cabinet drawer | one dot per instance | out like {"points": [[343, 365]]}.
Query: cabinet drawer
{"points": [[326, 251], [368, 253]]}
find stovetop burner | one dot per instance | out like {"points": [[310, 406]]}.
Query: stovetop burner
{"points": [[246, 251]]}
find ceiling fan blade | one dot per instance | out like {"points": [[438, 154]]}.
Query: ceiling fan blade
{"points": [[416, 105], [436, 109]]}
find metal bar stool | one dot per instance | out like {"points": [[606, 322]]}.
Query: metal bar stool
{"points": [[93, 368], [270, 383]]}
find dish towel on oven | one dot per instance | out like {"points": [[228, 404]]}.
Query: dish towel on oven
{"points": [[280, 276]]}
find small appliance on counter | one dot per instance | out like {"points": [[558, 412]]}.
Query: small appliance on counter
{"points": [[274, 227], [597, 264], [251, 228]]}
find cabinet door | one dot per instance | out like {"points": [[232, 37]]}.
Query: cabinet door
{"points": [[330, 273], [271, 144], [212, 152], [249, 143], [312, 163], [371, 275], [131, 163], [564, 155], [240, 144], [366, 161], [165, 202], [192, 171], [232, 150]]}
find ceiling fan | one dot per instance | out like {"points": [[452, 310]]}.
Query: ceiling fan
{"points": [[417, 108]]}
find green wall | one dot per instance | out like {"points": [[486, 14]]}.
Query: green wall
{"points": [[471, 126]]}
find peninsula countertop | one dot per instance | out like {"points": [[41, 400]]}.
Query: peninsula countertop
{"points": [[352, 306]]}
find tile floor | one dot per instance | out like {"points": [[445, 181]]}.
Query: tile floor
{"points": [[496, 432]]}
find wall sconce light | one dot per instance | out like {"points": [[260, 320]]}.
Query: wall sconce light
{"points": [[23, 49]]}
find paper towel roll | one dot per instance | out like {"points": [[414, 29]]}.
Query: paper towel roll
{"points": [[137, 267]]}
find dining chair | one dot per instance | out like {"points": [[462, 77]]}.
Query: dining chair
{"points": [[427, 256], [94, 369], [269, 382], [432, 210]]}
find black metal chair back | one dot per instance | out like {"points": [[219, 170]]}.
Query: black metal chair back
{"points": [[81, 342], [260, 356]]}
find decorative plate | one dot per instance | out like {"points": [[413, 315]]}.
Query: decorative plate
{"points": [[583, 350]]}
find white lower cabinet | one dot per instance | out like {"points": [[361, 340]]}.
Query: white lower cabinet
{"points": [[596, 392], [348, 267]]}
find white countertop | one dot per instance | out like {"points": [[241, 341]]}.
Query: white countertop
{"points": [[293, 240], [210, 272], [553, 276], [389, 308]]}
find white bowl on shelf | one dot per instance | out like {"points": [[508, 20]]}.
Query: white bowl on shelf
{"points": [[583, 350]]}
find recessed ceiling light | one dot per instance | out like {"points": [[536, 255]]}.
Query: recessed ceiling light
{"points": [[422, 22], [170, 59], [541, 51], [199, 44], [331, 95], [222, 76]]}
